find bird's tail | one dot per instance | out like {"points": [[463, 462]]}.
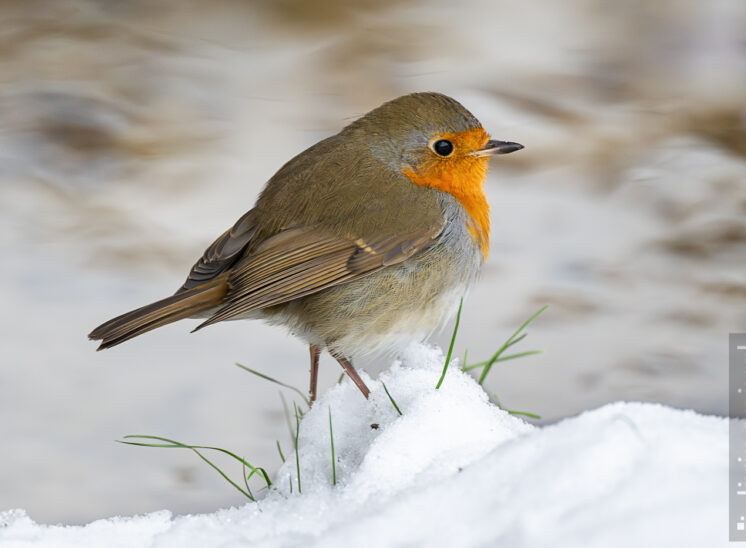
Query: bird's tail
{"points": [[177, 307]]}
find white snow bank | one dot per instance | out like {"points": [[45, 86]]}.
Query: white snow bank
{"points": [[455, 470]]}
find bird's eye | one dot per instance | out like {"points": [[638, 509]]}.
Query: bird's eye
{"points": [[443, 147]]}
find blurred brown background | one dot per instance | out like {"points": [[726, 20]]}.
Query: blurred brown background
{"points": [[133, 133]]}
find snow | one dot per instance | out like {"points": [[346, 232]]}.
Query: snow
{"points": [[454, 469]]}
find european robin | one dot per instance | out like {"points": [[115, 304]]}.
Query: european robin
{"points": [[359, 243]]}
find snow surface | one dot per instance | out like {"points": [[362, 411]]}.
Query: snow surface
{"points": [[455, 470]]}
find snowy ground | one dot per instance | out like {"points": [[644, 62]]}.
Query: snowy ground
{"points": [[455, 470]]}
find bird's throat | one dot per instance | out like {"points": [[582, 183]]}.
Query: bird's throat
{"points": [[464, 180]]}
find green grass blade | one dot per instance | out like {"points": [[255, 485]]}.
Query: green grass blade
{"points": [[503, 359], [286, 410], [256, 471], [516, 340], [525, 414], [391, 398], [279, 450], [177, 444], [513, 339], [195, 449], [297, 456], [513, 411], [450, 347], [246, 479], [271, 379], [334, 460]]}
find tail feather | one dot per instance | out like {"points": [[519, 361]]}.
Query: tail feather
{"points": [[160, 313]]}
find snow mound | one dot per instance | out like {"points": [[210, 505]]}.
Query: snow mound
{"points": [[455, 470]]}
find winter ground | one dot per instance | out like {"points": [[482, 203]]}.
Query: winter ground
{"points": [[455, 470]]}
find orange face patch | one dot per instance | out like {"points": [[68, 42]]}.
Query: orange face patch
{"points": [[462, 176]]}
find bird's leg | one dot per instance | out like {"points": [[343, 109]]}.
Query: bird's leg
{"points": [[347, 366], [315, 353]]}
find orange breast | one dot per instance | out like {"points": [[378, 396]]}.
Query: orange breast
{"points": [[463, 177]]}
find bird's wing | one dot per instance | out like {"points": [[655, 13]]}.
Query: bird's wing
{"points": [[303, 260], [224, 252]]}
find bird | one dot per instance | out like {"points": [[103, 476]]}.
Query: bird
{"points": [[362, 243]]}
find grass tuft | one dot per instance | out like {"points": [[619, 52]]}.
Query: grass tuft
{"points": [[513, 339], [172, 444], [486, 366]]}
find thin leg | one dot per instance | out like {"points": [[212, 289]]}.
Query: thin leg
{"points": [[315, 353], [347, 366]]}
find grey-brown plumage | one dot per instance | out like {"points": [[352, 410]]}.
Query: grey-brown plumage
{"points": [[341, 246]]}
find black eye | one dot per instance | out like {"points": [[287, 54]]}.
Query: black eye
{"points": [[443, 147]]}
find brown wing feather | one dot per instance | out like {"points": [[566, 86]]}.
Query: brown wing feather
{"points": [[176, 307], [223, 253], [301, 261]]}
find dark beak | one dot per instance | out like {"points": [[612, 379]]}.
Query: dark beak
{"points": [[493, 148]]}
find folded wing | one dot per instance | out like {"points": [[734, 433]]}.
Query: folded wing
{"points": [[303, 260]]}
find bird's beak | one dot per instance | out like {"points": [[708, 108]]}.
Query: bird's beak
{"points": [[493, 148]]}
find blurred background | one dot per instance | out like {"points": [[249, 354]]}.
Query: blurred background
{"points": [[133, 133]]}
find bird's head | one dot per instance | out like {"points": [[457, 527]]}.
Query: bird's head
{"points": [[433, 141]]}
